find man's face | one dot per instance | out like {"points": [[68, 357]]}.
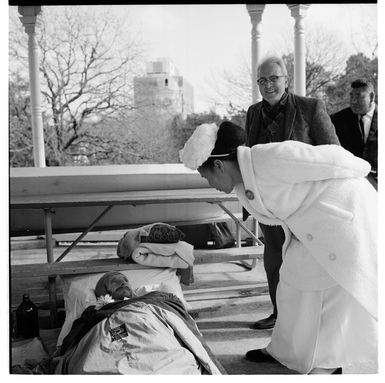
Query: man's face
{"points": [[272, 91], [118, 287], [360, 100]]}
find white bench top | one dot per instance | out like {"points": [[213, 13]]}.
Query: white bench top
{"points": [[121, 198]]}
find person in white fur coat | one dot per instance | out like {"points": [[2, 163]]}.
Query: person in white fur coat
{"points": [[327, 294]]}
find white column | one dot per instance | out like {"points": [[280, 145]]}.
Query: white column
{"points": [[255, 12], [28, 19], [298, 11]]}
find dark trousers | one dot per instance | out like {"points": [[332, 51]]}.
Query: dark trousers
{"points": [[274, 237]]}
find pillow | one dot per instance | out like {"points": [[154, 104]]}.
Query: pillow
{"points": [[163, 233], [79, 290]]}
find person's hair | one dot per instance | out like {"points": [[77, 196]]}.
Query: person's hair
{"points": [[362, 84], [275, 60], [229, 137]]}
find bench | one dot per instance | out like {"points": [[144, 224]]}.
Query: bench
{"points": [[54, 267], [104, 265]]}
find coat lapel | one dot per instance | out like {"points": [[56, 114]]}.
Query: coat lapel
{"points": [[290, 114], [248, 176], [373, 126], [256, 206], [254, 130]]}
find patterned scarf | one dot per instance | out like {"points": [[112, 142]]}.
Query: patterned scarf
{"points": [[273, 120]]}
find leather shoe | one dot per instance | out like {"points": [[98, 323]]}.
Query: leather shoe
{"points": [[258, 356], [266, 323]]}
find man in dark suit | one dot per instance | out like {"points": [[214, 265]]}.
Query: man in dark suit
{"points": [[282, 116], [356, 126]]}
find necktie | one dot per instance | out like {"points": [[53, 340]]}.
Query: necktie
{"points": [[361, 123]]}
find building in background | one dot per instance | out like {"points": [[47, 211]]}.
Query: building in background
{"points": [[163, 91]]}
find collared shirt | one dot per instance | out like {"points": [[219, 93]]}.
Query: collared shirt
{"points": [[367, 120]]}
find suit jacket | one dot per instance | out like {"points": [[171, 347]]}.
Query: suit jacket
{"points": [[306, 120], [349, 134], [319, 195]]}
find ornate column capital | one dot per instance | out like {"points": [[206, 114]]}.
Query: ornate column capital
{"points": [[298, 10], [28, 17], [255, 12]]}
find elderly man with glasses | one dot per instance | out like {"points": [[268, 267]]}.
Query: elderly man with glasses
{"points": [[282, 116]]}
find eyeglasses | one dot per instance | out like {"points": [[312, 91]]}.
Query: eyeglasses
{"points": [[272, 79]]}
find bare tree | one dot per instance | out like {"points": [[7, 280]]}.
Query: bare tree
{"points": [[20, 131], [325, 61], [87, 60], [231, 89]]}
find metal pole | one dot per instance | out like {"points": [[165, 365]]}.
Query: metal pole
{"points": [[51, 280]]}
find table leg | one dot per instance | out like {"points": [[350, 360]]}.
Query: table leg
{"points": [[255, 230], [240, 223], [253, 233], [238, 232], [85, 232], [50, 259]]}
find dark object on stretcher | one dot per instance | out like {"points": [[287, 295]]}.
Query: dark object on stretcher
{"points": [[163, 233], [215, 235]]}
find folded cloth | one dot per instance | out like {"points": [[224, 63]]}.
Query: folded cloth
{"points": [[178, 255], [154, 233], [131, 240]]}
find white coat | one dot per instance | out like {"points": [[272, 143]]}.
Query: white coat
{"points": [[318, 194]]}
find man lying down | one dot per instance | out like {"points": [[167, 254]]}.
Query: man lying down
{"points": [[152, 334]]}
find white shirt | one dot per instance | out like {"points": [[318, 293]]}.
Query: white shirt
{"points": [[367, 120]]}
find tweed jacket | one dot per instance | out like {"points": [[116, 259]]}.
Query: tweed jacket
{"points": [[319, 195], [349, 134], [306, 120]]}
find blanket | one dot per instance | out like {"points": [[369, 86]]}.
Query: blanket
{"points": [[177, 255], [157, 252], [152, 334]]}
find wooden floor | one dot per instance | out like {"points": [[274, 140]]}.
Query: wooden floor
{"points": [[226, 300]]}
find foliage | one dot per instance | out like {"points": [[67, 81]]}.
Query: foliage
{"points": [[334, 87], [237, 115], [317, 77], [183, 129], [107, 142], [20, 132]]}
